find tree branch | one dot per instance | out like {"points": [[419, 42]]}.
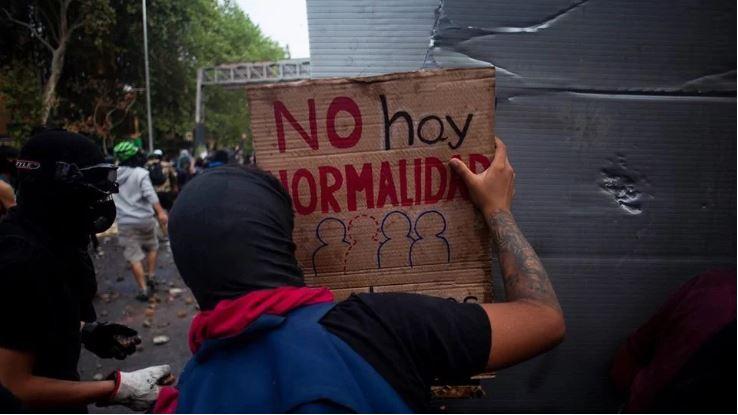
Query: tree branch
{"points": [[52, 28], [31, 28], [94, 117], [76, 25]]}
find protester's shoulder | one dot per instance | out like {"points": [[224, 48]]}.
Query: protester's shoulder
{"points": [[140, 173], [411, 339], [131, 170], [405, 312], [402, 301]]}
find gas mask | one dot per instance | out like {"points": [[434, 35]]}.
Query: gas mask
{"points": [[89, 189], [95, 185], [101, 214]]}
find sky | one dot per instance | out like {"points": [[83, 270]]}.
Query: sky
{"points": [[285, 21]]}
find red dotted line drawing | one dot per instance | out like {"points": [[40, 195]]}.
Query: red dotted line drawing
{"points": [[353, 242]]}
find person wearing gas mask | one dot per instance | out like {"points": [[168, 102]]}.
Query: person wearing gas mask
{"points": [[137, 203], [48, 282]]}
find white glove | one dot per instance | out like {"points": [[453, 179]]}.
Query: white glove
{"points": [[138, 390]]}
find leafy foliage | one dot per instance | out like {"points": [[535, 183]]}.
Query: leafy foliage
{"points": [[21, 96], [101, 89]]}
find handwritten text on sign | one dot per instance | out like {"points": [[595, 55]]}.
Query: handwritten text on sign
{"points": [[365, 162]]}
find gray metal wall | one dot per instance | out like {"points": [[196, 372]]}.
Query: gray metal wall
{"points": [[620, 122], [361, 38]]}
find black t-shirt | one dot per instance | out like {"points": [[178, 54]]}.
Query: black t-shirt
{"points": [[412, 339], [46, 289]]}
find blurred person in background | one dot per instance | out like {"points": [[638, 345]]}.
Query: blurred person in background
{"points": [[198, 166], [138, 210], [683, 358], [185, 168], [218, 158], [163, 176]]}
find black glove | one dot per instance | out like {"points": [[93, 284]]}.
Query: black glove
{"points": [[109, 339]]}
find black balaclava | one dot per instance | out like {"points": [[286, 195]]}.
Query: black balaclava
{"points": [[64, 210], [231, 233]]}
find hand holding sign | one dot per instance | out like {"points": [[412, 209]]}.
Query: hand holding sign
{"points": [[493, 189]]}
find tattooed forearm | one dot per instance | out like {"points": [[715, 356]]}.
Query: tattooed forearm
{"points": [[522, 271]]}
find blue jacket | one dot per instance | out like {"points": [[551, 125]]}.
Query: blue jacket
{"points": [[284, 364]]}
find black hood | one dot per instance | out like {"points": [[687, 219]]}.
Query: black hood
{"points": [[60, 209], [231, 233]]}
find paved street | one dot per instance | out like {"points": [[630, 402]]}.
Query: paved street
{"points": [[167, 314]]}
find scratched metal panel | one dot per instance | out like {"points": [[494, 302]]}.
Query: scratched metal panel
{"points": [[620, 120], [620, 117], [624, 199], [607, 45], [368, 37]]}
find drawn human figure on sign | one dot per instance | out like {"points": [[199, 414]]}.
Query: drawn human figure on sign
{"points": [[394, 250], [430, 245], [329, 256], [363, 238]]}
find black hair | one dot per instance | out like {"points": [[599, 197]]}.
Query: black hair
{"points": [[137, 160]]}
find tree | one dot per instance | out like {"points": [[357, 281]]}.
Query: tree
{"points": [[99, 91], [21, 96], [53, 23], [233, 38]]}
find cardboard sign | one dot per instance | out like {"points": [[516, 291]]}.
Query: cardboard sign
{"points": [[365, 161]]}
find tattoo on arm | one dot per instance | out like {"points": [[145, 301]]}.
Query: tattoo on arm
{"points": [[522, 271]]}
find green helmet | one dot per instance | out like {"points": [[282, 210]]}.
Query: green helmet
{"points": [[125, 150]]}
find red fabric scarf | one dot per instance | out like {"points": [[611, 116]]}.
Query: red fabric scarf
{"points": [[230, 317]]}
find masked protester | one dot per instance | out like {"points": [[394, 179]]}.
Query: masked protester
{"points": [[48, 282], [264, 342]]}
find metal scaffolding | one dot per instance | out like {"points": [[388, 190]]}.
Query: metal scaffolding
{"points": [[239, 74], [244, 73]]}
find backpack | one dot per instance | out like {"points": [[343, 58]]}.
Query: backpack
{"points": [[156, 174]]}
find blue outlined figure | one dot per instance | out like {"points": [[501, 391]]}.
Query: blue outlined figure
{"points": [[394, 251], [329, 256], [363, 237], [430, 247]]}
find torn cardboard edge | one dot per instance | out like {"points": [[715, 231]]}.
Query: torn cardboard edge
{"points": [[467, 73]]}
